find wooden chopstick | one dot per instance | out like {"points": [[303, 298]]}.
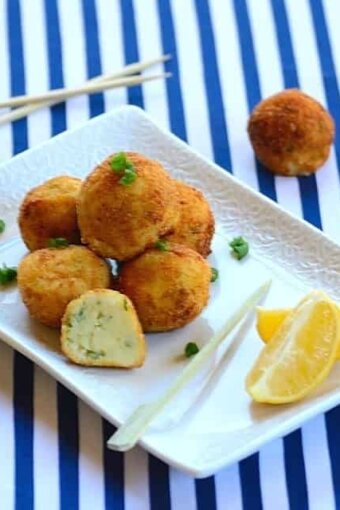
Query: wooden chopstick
{"points": [[135, 67]]}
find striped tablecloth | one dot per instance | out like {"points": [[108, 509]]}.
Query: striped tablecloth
{"points": [[227, 55]]}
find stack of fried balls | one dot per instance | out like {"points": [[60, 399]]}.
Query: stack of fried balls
{"points": [[128, 209]]}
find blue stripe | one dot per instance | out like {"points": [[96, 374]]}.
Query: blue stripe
{"points": [[23, 432], [173, 88], [159, 484], [55, 64], [23, 368], [131, 53], [332, 425], [68, 449], [328, 69], [206, 494], [17, 77], [251, 77], [113, 473], [216, 109], [250, 483], [93, 62], [295, 472], [307, 185]]}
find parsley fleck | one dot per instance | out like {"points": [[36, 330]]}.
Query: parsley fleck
{"points": [[57, 242], [162, 245], [126, 305], [214, 274], [240, 247], [191, 349], [7, 274], [121, 165], [2, 226]]}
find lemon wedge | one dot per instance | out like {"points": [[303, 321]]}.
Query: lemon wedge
{"points": [[301, 353], [268, 322]]}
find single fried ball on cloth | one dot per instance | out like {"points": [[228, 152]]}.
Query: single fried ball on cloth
{"points": [[49, 211], [291, 133], [196, 225], [120, 220], [50, 278], [168, 288]]}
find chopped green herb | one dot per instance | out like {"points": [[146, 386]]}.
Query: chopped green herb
{"points": [[120, 164], [214, 274], [57, 242], [125, 304], [240, 247], [2, 226], [7, 274], [162, 245], [129, 177], [94, 354], [191, 349]]}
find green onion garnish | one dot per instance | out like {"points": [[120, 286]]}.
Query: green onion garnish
{"points": [[191, 349], [240, 247], [7, 274], [121, 165], [58, 242], [2, 226], [162, 245], [214, 274]]}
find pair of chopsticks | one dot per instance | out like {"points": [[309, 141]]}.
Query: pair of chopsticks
{"points": [[26, 104]]}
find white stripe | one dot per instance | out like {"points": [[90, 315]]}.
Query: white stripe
{"points": [[36, 66], [6, 428], [111, 47], [272, 476], [310, 76], [191, 76], [271, 80], [317, 465], [149, 44], [5, 90], [45, 442], [91, 476], [332, 15], [74, 60], [229, 59], [136, 480], [228, 489], [182, 489]]}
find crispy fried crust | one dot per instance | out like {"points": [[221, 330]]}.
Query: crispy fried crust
{"points": [[168, 288], [49, 279], [196, 225], [101, 328], [291, 133], [120, 221], [49, 211]]}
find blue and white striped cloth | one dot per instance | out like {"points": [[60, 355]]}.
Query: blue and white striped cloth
{"points": [[227, 55]]}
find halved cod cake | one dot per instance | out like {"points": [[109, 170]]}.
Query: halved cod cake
{"points": [[101, 328]]}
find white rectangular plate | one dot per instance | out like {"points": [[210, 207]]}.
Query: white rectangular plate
{"points": [[222, 425]]}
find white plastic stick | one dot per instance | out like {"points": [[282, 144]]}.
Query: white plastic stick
{"points": [[129, 432], [136, 67]]}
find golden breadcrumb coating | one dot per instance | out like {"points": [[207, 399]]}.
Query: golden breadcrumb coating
{"points": [[50, 278], [291, 133], [168, 288], [118, 221], [196, 225], [101, 329], [49, 211]]}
